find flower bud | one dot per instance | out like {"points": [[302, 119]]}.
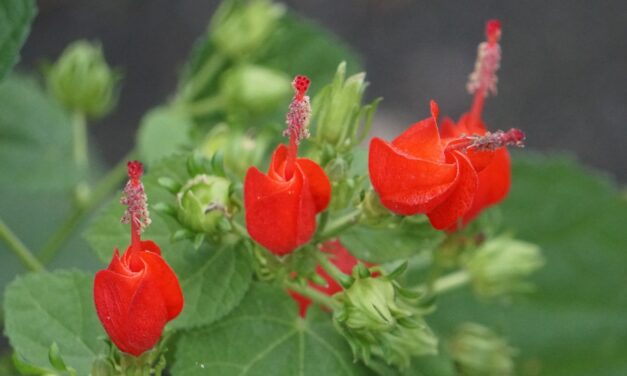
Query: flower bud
{"points": [[499, 266], [339, 113], [379, 321], [203, 202], [255, 88], [82, 81], [478, 351], [240, 149], [239, 29]]}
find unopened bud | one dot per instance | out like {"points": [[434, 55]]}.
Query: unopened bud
{"points": [[499, 266], [203, 202], [255, 88], [240, 29], [339, 113], [82, 81], [478, 351]]}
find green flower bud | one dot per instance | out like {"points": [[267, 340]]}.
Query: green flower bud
{"points": [[82, 81], [240, 149], [338, 111], [255, 88], [239, 29], [204, 202], [478, 351], [499, 266], [379, 321]]}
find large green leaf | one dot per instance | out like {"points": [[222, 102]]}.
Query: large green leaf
{"points": [[265, 336], [35, 139], [380, 244], [574, 324], [42, 308], [163, 131], [15, 19]]}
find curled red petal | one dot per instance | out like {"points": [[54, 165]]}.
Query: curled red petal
{"points": [[421, 141], [318, 182], [279, 215], [407, 185], [461, 197]]}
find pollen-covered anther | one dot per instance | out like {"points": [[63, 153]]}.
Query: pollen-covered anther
{"points": [[134, 197], [494, 140], [488, 62], [299, 112]]}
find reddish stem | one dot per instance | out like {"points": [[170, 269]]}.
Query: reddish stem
{"points": [[292, 152]]}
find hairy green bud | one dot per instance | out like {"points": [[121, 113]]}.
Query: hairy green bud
{"points": [[203, 202], [239, 29], [82, 82], [478, 351], [255, 88], [499, 266]]}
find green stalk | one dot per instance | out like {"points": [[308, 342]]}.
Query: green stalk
{"points": [[101, 191], [19, 249], [79, 129], [313, 294], [451, 281], [334, 272], [336, 226], [202, 77]]}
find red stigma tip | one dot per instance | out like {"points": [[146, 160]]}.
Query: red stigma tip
{"points": [[493, 30], [301, 84], [435, 110], [514, 137], [135, 170]]}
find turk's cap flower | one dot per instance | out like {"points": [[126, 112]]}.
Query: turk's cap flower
{"points": [[478, 351], [240, 29], [499, 266], [341, 119], [203, 201], [82, 81], [254, 88], [281, 211]]}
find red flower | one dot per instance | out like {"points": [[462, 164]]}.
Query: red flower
{"points": [[341, 258], [453, 174], [138, 293], [281, 207]]}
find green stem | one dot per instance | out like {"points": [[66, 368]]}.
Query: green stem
{"points": [[21, 251], [239, 229], [81, 161], [101, 191], [334, 272], [337, 225], [451, 281], [312, 294], [202, 78], [205, 107]]}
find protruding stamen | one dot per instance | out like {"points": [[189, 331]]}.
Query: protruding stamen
{"points": [[299, 111], [435, 110], [489, 141], [483, 79], [134, 197]]}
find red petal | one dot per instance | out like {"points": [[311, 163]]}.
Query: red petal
{"points": [[421, 141], [494, 184], [461, 198], [408, 185], [277, 164], [279, 215], [157, 270], [318, 182]]}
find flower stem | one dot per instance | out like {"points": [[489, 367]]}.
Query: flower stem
{"points": [[203, 77], [312, 294], [205, 107], [239, 229], [79, 128], [101, 191], [334, 272], [21, 251], [337, 225], [451, 282]]}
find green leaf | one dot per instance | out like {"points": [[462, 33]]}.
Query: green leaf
{"points": [[43, 308], [265, 336], [15, 20], [574, 324], [214, 281], [163, 131], [389, 243], [35, 139]]}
